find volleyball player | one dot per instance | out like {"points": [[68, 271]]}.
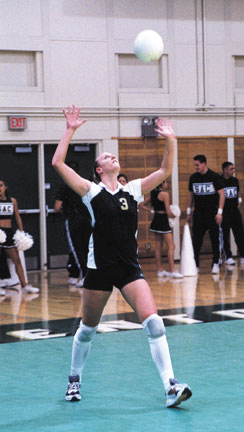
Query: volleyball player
{"points": [[112, 258], [206, 191]]}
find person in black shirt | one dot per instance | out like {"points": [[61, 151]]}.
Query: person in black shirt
{"points": [[112, 258], [78, 229], [207, 193], [231, 215]]}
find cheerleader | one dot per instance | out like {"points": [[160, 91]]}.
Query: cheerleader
{"points": [[8, 210], [160, 208]]}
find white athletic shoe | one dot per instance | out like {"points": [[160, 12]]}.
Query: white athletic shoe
{"points": [[30, 289], [72, 281], [230, 261], [2, 292], [215, 277], [30, 297], [177, 393], [229, 268], [163, 273], [80, 284], [73, 390], [215, 269], [176, 275]]}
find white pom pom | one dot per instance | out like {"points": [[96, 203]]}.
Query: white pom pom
{"points": [[172, 222], [22, 240], [2, 236], [176, 211], [148, 46]]}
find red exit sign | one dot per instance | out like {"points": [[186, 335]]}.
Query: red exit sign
{"points": [[17, 122]]}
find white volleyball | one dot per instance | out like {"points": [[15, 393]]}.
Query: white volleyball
{"points": [[148, 46]]}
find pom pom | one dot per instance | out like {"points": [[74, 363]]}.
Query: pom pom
{"points": [[2, 236], [176, 211], [22, 240], [172, 222]]}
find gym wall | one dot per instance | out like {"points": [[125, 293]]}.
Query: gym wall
{"points": [[55, 53]]}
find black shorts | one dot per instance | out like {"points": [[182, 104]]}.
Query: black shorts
{"points": [[9, 243], [117, 275]]}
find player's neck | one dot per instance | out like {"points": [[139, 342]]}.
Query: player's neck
{"points": [[110, 181]]}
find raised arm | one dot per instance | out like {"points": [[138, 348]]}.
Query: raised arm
{"points": [[164, 128], [70, 177]]}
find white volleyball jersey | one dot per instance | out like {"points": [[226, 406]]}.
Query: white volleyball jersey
{"points": [[114, 222]]}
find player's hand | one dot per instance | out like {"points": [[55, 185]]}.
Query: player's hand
{"points": [[218, 218], [72, 118], [164, 127]]}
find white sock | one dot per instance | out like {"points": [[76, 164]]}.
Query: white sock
{"points": [[81, 348], [160, 353]]}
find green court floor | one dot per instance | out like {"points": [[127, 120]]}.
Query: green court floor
{"points": [[121, 389]]}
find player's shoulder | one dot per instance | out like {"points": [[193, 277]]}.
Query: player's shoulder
{"points": [[134, 188], [94, 190], [132, 184]]}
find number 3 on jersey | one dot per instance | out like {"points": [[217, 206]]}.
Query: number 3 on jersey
{"points": [[124, 204]]}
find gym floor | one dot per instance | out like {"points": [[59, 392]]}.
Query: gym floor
{"points": [[121, 388]]}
